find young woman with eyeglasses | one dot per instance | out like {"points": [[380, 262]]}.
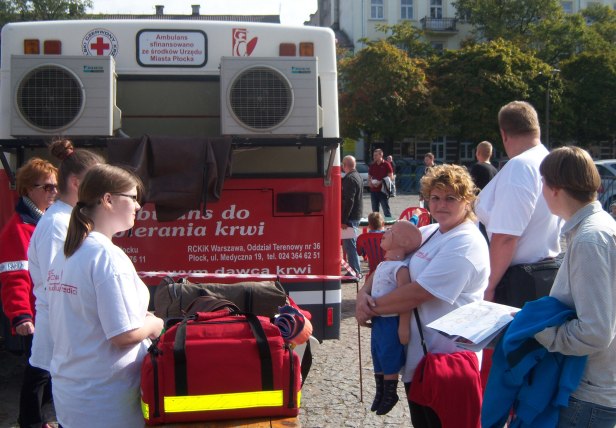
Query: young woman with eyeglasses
{"points": [[100, 325], [48, 240], [37, 187]]}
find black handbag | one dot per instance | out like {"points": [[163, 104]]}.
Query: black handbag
{"points": [[527, 281]]}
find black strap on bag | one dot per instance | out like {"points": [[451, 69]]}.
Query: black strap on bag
{"points": [[421, 336], [423, 341], [306, 362], [179, 360], [265, 354]]}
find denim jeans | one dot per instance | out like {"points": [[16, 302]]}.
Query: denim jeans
{"points": [[380, 198], [350, 248], [582, 414]]}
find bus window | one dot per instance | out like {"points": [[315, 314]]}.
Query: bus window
{"points": [[288, 161]]}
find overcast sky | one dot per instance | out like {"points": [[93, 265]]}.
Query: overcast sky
{"points": [[293, 12]]}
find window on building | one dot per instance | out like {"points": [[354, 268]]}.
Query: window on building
{"points": [[464, 16], [376, 9], [406, 9], [438, 148], [436, 9], [466, 152], [567, 6], [438, 46]]}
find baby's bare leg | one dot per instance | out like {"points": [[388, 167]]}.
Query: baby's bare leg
{"points": [[404, 328]]}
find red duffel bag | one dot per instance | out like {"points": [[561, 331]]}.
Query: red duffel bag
{"points": [[217, 365]]}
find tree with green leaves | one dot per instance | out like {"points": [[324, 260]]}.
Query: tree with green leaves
{"points": [[512, 20], [558, 38], [588, 113], [381, 92], [602, 21], [42, 10], [409, 38], [474, 82]]}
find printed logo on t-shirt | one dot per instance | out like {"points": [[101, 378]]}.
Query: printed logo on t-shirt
{"points": [[423, 255], [63, 288], [55, 285]]}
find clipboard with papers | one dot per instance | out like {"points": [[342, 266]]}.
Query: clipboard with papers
{"points": [[476, 325]]}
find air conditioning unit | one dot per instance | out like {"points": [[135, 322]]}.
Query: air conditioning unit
{"points": [[63, 95], [269, 96]]}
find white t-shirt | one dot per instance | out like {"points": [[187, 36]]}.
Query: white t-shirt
{"points": [[385, 280], [454, 267], [512, 204], [47, 240], [95, 295]]}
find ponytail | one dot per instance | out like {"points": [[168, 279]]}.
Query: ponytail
{"points": [[79, 227]]}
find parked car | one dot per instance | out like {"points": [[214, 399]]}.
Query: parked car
{"points": [[607, 191], [409, 171], [362, 168]]}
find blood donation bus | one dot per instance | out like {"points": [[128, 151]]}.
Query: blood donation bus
{"points": [[234, 125]]}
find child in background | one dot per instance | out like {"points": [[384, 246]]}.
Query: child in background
{"points": [[391, 332], [369, 244], [376, 222]]}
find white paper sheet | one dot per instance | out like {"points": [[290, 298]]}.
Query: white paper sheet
{"points": [[475, 325]]}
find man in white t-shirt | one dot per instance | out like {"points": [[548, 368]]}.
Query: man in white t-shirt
{"points": [[520, 226]]}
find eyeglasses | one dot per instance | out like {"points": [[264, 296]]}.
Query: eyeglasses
{"points": [[135, 198], [50, 188], [449, 199]]}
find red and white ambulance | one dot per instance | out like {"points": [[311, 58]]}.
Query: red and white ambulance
{"points": [[268, 90]]}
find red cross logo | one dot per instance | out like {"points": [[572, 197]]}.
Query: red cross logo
{"points": [[100, 46]]}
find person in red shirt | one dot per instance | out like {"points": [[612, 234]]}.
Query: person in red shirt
{"points": [[379, 170], [37, 187]]}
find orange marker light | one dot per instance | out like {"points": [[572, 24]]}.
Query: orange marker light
{"points": [[32, 47], [306, 49]]}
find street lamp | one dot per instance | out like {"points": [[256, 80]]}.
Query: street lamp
{"points": [[553, 73]]}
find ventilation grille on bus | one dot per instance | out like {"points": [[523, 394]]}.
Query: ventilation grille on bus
{"points": [[263, 96], [260, 98], [69, 95], [50, 97]]}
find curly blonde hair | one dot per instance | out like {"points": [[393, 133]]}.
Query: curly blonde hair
{"points": [[454, 177]]}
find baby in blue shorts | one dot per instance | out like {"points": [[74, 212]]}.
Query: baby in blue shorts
{"points": [[390, 333]]}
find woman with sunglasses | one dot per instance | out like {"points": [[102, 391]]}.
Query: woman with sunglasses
{"points": [[37, 188], [100, 325]]}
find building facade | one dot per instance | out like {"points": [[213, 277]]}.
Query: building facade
{"points": [[354, 20]]}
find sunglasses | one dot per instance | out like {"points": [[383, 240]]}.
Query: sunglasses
{"points": [[47, 187]]}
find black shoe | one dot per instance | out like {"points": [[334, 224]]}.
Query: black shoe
{"points": [[390, 397], [379, 392]]}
